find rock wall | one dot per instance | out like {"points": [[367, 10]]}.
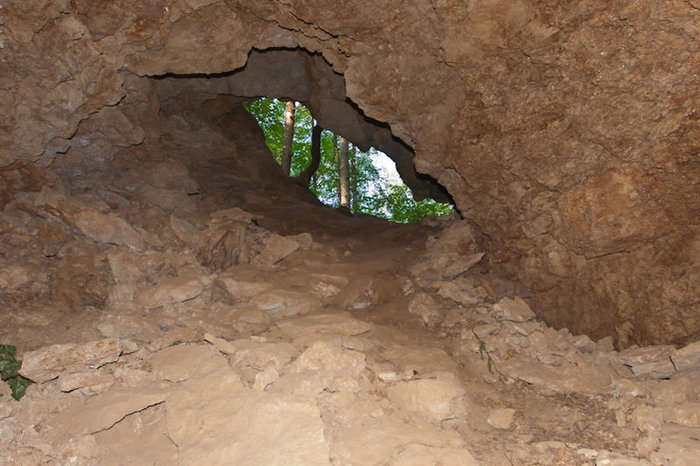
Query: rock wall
{"points": [[567, 132]]}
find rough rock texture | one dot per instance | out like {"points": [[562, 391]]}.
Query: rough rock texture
{"points": [[567, 133], [189, 370], [179, 301]]}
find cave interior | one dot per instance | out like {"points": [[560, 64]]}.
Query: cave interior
{"points": [[151, 245]]}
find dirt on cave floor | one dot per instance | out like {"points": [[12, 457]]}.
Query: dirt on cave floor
{"points": [[164, 329]]}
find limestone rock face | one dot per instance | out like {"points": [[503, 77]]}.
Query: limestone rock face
{"points": [[567, 135]]}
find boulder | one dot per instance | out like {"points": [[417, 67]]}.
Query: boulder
{"points": [[50, 362]]}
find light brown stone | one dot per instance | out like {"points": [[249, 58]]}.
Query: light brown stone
{"points": [[437, 398], [652, 360], [564, 379], [501, 418], [169, 291], [277, 248], [340, 368], [103, 411], [50, 362], [284, 303], [687, 358], [513, 309], [92, 223]]}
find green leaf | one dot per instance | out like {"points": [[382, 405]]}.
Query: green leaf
{"points": [[9, 368], [18, 385], [8, 350]]}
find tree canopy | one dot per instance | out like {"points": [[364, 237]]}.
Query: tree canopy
{"points": [[370, 193]]}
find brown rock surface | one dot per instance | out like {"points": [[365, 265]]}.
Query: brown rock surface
{"points": [[328, 387], [50, 362], [568, 135], [139, 202]]}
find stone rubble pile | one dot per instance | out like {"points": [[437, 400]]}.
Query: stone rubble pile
{"points": [[221, 342], [656, 389], [258, 400]]}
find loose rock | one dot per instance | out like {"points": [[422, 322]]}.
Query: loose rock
{"points": [[501, 418], [50, 362]]}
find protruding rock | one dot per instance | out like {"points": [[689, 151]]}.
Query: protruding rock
{"points": [[461, 265], [169, 291], [277, 248], [650, 360], [562, 379], [265, 378], [459, 291], [513, 309], [305, 240], [50, 362], [450, 254], [583, 343], [88, 382], [98, 226], [605, 345], [687, 358], [105, 228]]}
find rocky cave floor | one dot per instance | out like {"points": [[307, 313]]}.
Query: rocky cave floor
{"points": [[167, 320]]}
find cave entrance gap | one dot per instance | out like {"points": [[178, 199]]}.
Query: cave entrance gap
{"points": [[375, 186], [296, 74]]}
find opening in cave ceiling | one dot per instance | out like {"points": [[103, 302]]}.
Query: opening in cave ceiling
{"points": [[368, 184], [296, 74]]}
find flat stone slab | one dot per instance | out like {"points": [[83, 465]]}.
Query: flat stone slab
{"points": [[687, 358], [558, 379], [49, 362], [103, 411], [654, 361]]}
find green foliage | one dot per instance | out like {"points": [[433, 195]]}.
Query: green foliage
{"points": [[370, 194], [9, 370], [403, 209]]}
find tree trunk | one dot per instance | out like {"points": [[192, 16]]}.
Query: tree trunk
{"points": [[305, 176], [289, 111], [354, 204], [344, 174]]}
